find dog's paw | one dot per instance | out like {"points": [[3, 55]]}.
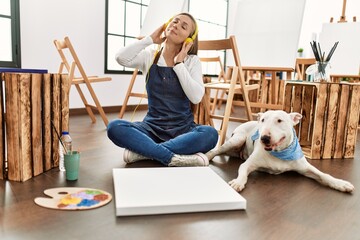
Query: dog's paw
{"points": [[343, 186], [237, 185]]}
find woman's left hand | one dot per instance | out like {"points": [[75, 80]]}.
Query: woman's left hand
{"points": [[180, 57]]}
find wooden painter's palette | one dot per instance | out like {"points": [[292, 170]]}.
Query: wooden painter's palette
{"points": [[73, 198]]}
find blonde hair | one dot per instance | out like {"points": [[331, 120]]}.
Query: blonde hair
{"points": [[194, 48]]}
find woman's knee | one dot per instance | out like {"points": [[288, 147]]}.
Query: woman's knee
{"points": [[115, 127], [214, 136], [211, 134]]}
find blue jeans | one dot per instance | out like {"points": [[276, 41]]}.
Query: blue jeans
{"points": [[199, 139]]}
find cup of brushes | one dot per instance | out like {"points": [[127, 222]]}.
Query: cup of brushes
{"points": [[72, 165], [321, 70], [71, 159], [71, 162]]}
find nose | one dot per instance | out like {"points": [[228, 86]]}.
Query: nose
{"points": [[265, 139]]}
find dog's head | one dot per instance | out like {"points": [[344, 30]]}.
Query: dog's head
{"points": [[276, 129]]}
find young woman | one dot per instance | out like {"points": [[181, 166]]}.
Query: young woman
{"points": [[168, 133]]}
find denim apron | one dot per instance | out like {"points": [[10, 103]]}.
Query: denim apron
{"points": [[169, 114]]}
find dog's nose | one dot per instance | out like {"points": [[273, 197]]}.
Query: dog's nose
{"points": [[265, 139]]}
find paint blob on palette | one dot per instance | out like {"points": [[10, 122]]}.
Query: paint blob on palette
{"points": [[72, 198]]}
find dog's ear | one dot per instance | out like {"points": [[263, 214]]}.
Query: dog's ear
{"points": [[259, 114], [295, 117]]}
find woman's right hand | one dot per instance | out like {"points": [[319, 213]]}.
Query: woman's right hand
{"points": [[157, 35]]}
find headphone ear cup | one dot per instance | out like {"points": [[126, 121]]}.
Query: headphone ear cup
{"points": [[188, 40]]}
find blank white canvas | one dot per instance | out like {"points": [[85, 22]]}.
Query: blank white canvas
{"points": [[268, 31], [147, 191], [346, 58], [159, 12]]}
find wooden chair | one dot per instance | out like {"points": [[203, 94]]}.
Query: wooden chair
{"points": [[301, 65], [272, 88], [61, 45], [236, 84], [221, 78], [129, 94], [230, 87]]}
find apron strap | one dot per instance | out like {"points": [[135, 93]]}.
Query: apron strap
{"points": [[157, 56]]}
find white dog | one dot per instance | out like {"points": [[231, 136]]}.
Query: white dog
{"points": [[270, 145]]}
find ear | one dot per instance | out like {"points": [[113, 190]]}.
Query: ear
{"points": [[295, 117], [259, 114]]}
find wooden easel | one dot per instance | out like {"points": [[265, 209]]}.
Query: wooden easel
{"points": [[343, 17]]}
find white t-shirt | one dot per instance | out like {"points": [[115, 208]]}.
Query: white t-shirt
{"points": [[189, 73]]}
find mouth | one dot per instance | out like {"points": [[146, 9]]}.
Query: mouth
{"points": [[172, 31], [271, 147]]}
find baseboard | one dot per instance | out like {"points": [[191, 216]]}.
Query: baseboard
{"points": [[108, 109]]}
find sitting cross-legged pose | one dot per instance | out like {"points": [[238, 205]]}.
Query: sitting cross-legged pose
{"points": [[168, 133]]}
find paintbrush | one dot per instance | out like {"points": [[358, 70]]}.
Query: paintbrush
{"points": [[315, 50], [332, 51], [320, 53], [316, 55], [52, 123]]}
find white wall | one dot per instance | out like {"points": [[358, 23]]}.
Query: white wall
{"points": [[83, 21]]}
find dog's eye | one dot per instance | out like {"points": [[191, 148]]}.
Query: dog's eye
{"points": [[262, 120], [279, 120]]}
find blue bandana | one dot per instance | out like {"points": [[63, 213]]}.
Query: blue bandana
{"points": [[292, 152]]}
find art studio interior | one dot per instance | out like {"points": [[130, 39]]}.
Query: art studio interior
{"points": [[179, 119]]}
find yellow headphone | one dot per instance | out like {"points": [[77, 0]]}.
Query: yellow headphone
{"points": [[189, 39]]}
